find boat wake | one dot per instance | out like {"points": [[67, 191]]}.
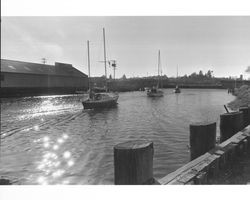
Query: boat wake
{"points": [[42, 125]]}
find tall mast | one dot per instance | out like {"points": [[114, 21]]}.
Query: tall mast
{"points": [[88, 65], [104, 46], [161, 78], [159, 62], [177, 72]]}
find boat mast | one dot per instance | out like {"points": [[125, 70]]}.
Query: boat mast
{"points": [[159, 60], [176, 77], [177, 72], [161, 79], [89, 67], [104, 46]]}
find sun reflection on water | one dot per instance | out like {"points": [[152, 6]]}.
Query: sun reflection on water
{"points": [[46, 145], [36, 128], [65, 182], [60, 140], [55, 147], [53, 164], [66, 154], [70, 163], [46, 107], [42, 180], [46, 139], [58, 173], [65, 136]]}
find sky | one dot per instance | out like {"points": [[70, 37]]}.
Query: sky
{"points": [[193, 43]]}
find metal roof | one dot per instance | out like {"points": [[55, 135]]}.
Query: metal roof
{"points": [[61, 69]]}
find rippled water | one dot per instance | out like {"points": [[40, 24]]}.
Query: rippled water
{"points": [[52, 140]]}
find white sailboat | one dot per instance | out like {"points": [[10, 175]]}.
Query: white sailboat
{"points": [[155, 91], [177, 89], [100, 100]]}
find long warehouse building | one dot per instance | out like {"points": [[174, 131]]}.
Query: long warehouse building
{"points": [[28, 79]]}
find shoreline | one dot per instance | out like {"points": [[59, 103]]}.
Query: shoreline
{"points": [[19, 93], [242, 99]]}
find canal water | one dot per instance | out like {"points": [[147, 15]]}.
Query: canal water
{"points": [[52, 140]]}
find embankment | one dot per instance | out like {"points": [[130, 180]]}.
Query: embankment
{"points": [[242, 98]]}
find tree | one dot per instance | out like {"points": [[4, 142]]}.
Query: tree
{"points": [[200, 73], [193, 74], [124, 77], [209, 73]]}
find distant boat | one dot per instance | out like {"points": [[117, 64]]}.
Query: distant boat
{"points": [[177, 89], [155, 91], [146, 89], [99, 100]]}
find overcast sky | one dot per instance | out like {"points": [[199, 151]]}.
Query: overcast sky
{"points": [[221, 44]]}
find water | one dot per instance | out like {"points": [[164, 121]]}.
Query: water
{"points": [[52, 140]]}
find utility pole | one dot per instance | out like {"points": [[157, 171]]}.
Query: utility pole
{"points": [[177, 72], [112, 63]]}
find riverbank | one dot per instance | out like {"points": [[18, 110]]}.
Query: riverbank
{"points": [[242, 98], [137, 84], [124, 87]]}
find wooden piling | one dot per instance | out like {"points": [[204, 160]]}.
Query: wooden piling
{"points": [[133, 163], [230, 123], [4, 181], [202, 138], [246, 115]]}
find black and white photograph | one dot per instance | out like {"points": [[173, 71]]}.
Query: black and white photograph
{"points": [[125, 100]]}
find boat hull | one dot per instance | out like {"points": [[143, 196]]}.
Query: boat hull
{"points": [[155, 94], [100, 104], [177, 91]]}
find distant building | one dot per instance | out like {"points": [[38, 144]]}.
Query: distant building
{"points": [[25, 79]]}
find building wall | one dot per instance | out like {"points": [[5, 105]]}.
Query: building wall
{"points": [[17, 80]]}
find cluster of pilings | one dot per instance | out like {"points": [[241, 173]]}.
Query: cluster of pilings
{"points": [[133, 160]]}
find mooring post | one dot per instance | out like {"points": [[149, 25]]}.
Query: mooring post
{"points": [[4, 181], [133, 163], [202, 138], [246, 115], [230, 123]]}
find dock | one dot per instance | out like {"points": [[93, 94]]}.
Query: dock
{"points": [[208, 160]]}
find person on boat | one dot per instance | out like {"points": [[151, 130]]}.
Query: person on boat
{"points": [[97, 96], [153, 89]]}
